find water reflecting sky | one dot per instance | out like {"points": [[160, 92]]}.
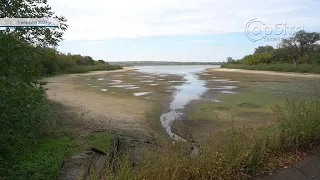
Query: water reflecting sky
{"points": [[191, 89]]}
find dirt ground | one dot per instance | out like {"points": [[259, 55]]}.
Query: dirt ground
{"points": [[95, 111], [92, 110], [93, 101]]}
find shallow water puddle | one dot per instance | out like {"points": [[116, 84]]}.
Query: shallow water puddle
{"points": [[104, 90], [116, 82], [133, 87], [191, 89], [228, 92], [141, 93], [145, 76], [225, 87], [123, 86], [153, 84], [118, 75], [216, 101], [223, 80], [148, 81], [206, 74], [176, 81], [163, 75], [100, 79]]}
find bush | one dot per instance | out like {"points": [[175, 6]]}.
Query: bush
{"points": [[53, 62], [20, 94], [256, 59], [299, 122]]}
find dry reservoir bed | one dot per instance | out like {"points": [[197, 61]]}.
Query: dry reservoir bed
{"points": [[133, 101], [241, 99]]}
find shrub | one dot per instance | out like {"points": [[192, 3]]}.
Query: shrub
{"points": [[20, 94]]}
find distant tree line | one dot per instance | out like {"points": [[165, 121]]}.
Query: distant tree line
{"points": [[52, 61], [160, 63], [301, 48]]}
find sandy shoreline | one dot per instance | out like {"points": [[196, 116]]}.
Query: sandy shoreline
{"points": [[306, 75]]}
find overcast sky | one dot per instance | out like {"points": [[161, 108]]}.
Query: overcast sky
{"points": [[180, 30]]}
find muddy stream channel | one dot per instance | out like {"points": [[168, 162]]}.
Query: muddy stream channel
{"points": [[191, 89]]}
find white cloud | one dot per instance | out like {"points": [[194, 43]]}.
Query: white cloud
{"points": [[106, 19]]}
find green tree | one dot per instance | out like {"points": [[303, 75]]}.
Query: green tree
{"points": [[49, 60], [33, 9], [280, 56], [257, 58], [230, 60], [300, 45], [20, 93], [85, 60], [306, 42], [263, 49], [290, 46], [101, 61]]}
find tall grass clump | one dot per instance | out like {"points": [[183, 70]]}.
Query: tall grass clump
{"points": [[299, 122], [234, 153]]}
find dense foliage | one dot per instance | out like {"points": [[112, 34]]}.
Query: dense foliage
{"points": [[33, 9], [301, 49], [26, 54], [53, 62]]}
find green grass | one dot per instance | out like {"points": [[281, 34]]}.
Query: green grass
{"points": [[253, 103], [301, 68], [40, 156], [245, 109], [100, 140], [42, 161], [235, 153]]}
